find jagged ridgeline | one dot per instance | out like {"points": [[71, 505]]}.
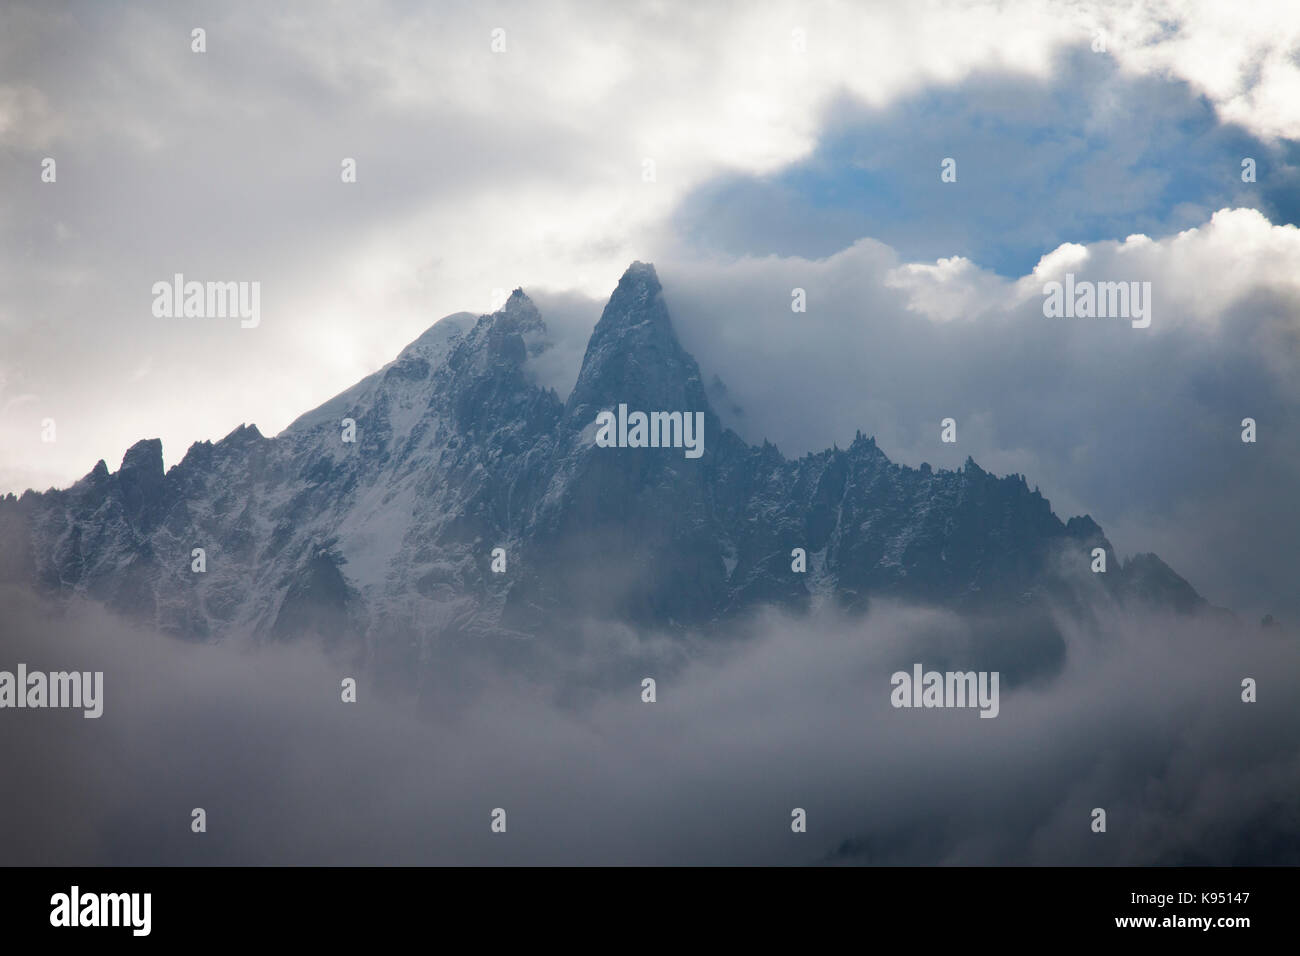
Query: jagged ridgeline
{"points": [[458, 452]]}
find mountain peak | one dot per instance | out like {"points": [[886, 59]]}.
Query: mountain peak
{"points": [[140, 480], [642, 271], [637, 308], [437, 337], [638, 286], [634, 356], [519, 314], [242, 435], [144, 457]]}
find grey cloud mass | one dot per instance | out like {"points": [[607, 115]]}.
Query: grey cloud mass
{"points": [[1142, 717]]}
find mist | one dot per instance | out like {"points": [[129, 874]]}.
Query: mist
{"points": [[1139, 715]]}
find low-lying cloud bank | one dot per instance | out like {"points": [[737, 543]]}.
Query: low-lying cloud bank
{"points": [[1142, 717]]}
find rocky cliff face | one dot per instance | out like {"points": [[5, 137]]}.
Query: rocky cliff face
{"points": [[387, 541]]}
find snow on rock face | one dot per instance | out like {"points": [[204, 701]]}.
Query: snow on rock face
{"points": [[387, 540]]}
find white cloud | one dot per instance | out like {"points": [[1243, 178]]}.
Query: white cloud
{"points": [[1139, 427], [1246, 65]]}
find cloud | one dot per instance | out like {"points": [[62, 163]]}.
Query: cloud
{"points": [[1248, 70], [1139, 427], [1142, 717]]}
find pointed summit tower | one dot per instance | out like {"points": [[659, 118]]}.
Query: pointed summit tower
{"points": [[633, 357], [636, 519]]}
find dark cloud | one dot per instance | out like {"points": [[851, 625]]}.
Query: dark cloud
{"points": [[1144, 719]]}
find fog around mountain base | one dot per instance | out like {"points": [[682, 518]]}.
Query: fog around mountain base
{"points": [[1139, 715]]}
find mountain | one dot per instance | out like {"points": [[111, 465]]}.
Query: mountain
{"points": [[387, 541]]}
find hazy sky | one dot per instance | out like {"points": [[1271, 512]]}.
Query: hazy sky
{"points": [[793, 145]]}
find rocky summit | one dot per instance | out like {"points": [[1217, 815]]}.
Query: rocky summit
{"points": [[470, 501]]}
